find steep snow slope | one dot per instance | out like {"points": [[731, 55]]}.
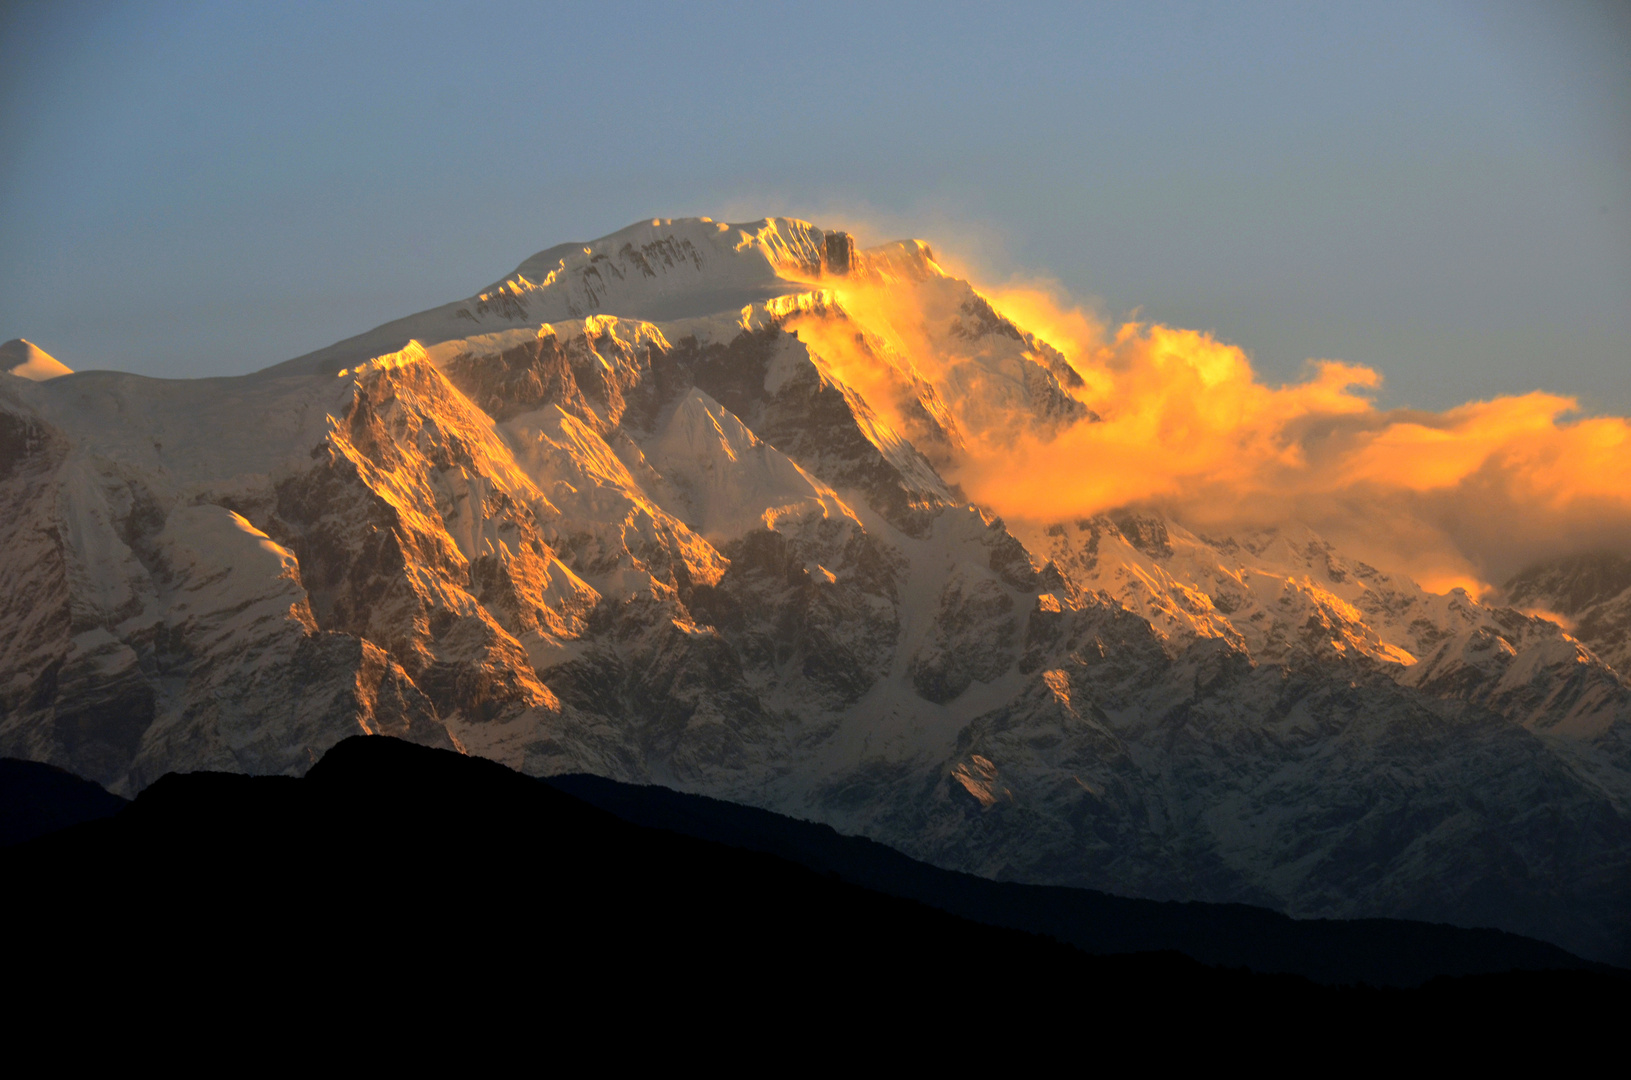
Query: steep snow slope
{"points": [[159, 630], [1592, 593], [663, 269], [28, 361], [714, 550], [727, 481]]}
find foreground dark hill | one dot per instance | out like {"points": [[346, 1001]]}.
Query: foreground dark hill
{"points": [[1377, 952], [37, 799], [399, 873]]}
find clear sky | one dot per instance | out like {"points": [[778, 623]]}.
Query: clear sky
{"points": [[1441, 191]]}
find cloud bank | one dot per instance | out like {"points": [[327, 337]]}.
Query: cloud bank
{"points": [[1465, 497]]}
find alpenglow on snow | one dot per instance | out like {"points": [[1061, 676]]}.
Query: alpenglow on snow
{"points": [[673, 506]]}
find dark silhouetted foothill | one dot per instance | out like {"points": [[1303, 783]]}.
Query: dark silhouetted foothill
{"points": [[419, 882], [36, 799], [1335, 952]]}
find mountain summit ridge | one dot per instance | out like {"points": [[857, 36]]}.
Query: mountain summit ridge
{"points": [[657, 270], [28, 361], [689, 522]]}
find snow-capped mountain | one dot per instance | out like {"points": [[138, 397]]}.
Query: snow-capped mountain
{"points": [[671, 506], [28, 361], [1591, 592]]}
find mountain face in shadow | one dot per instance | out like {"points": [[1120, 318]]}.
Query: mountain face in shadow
{"points": [[393, 871]]}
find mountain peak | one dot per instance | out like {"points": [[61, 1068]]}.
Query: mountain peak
{"points": [[666, 268], [669, 506], [659, 270], [26, 359]]}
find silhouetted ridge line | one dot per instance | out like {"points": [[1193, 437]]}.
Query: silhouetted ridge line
{"points": [[394, 874], [1378, 952], [37, 799]]}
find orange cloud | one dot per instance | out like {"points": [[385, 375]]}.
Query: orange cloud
{"points": [[1464, 497]]}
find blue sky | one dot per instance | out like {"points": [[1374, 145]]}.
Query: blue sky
{"points": [[1440, 191]]}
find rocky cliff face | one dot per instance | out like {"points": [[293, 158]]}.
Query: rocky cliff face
{"points": [[671, 511]]}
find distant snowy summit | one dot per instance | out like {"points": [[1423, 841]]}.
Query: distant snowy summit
{"points": [[27, 360], [678, 505], [661, 270]]}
